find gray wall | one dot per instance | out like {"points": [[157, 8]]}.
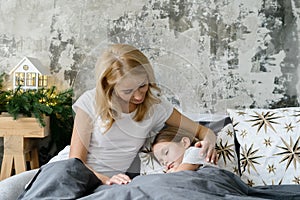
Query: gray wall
{"points": [[208, 55]]}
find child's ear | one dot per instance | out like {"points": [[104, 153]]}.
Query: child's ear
{"points": [[186, 142]]}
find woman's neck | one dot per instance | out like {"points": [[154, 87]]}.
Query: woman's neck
{"points": [[127, 107]]}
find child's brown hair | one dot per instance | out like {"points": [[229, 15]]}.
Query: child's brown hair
{"points": [[173, 134]]}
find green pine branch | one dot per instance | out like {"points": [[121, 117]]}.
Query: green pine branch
{"points": [[38, 103]]}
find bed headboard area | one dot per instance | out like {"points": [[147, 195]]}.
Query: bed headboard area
{"points": [[260, 145]]}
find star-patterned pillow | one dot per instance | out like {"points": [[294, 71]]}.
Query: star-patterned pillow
{"points": [[149, 165], [227, 156], [269, 142]]}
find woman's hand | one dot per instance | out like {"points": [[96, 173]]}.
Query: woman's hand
{"points": [[208, 148], [118, 179]]}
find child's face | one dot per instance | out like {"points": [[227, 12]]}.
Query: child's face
{"points": [[169, 154], [133, 88]]}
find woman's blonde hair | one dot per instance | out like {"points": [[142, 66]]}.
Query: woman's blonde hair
{"points": [[115, 62], [173, 134]]}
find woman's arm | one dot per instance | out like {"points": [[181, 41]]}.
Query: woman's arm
{"points": [[206, 135], [82, 130], [80, 140]]}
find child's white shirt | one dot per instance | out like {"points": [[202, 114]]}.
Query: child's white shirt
{"points": [[192, 156]]}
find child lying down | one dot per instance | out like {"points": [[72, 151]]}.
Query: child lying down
{"points": [[174, 149]]}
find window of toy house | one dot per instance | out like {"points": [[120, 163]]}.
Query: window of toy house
{"points": [[31, 79], [19, 78], [43, 81]]}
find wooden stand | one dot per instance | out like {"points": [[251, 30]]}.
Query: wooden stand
{"points": [[19, 143]]}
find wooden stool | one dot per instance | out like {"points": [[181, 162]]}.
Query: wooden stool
{"points": [[19, 145], [18, 150]]}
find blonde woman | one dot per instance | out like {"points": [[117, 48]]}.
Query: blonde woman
{"points": [[113, 120]]}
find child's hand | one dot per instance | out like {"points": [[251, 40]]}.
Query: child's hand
{"points": [[171, 170], [118, 179]]}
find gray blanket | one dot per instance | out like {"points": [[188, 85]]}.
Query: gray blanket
{"points": [[206, 183], [70, 179]]}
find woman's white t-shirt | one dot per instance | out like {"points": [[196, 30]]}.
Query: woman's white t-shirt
{"points": [[112, 152]]}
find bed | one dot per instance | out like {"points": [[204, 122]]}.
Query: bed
{"points": [[208, 182], [258, 153]]}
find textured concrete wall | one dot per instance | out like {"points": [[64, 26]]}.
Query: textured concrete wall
{"points": [[208, 55]]}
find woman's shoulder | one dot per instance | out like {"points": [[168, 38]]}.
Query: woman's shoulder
{"points": [[86, 97], [86, 102], [164, 102], [88, 93], [162, 110]]}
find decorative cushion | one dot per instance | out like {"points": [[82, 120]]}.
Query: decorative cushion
{"points": [[227, 156], [269, 142], [149, 165], [225, 148]]}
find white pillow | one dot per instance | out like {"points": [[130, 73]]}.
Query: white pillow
{"points": [[149, 165], [269, 145]]}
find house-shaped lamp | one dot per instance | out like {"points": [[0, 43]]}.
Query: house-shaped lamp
{"points": [[30, 74]]}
